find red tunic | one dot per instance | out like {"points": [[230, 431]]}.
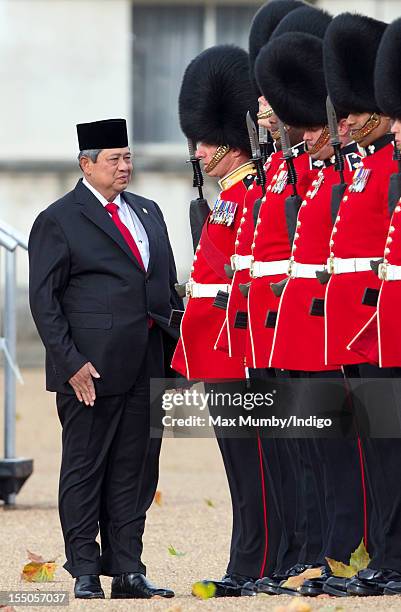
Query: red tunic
{"points": [[195, 356], [271, 243], [299, 335], [360, 230], [232, 338], [389, 336]]}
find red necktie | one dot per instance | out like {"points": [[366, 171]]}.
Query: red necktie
{"points": [[112, 208]]}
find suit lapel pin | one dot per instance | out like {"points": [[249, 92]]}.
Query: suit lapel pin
{"points": [[145, 210]]}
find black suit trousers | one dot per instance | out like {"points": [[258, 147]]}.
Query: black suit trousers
{"points": [[109, 474]]}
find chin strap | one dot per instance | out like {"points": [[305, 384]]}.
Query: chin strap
{"points": [[220, 152], [321, 141], [265, 114], [372, 123]]}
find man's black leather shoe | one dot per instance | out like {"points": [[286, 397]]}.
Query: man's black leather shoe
{"points": [[371, 582], [136, 586], [393, 588], [232, 585], [314, 586], [270, 585], [88, 587], [336, 586]]}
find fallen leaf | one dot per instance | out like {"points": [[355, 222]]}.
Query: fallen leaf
{"points": [[158, 499], [174, 553], [297, 581], [39, 572], [341, 570], [34, 557], [204, 590], [209, 503], [360, 558]]}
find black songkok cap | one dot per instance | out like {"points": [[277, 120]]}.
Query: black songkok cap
{"points": [[106, 134]]}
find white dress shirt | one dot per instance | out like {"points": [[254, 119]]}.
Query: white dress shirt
{"points": [[130, 220]]}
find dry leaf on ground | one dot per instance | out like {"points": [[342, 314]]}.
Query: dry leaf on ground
{"points": [[204, 590], [38, 570], [297, 581], [359, 560], [158, 498], [175, 553]]}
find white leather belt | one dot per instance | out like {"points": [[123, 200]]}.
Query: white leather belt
{"points": [[200, 290], [300, 270], [337, 265], [240, 262], [269, 268], [389, 272]]}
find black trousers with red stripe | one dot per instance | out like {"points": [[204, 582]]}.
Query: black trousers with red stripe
{"points": [[338, 478], [256, 528], [378, 414]]}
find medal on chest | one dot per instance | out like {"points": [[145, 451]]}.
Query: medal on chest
{"points": [[280, 182], [223, 212], [360, 180], [316, 184]]}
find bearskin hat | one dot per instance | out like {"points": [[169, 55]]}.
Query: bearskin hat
{"points": [[349, 52], [290, 73], [215, 96], [388, 71], [263, 25], [305, 19]]}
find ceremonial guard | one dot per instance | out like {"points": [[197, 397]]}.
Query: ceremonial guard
{"points": [[302, 102], [379, 342], [232, 336], [270, 250], [215, 97], [358, 239], [297, 488]]}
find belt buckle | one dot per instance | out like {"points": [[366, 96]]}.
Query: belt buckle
{"points": [[233, 262], [331, 265], [188, 288], [251, 269], [383, 271], [291, 265]]}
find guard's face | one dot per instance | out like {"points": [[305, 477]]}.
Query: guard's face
{"points": [[311, 136], [396, 130], [112, 171]]}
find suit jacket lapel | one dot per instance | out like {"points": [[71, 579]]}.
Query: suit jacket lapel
{"points": [[146, 220], [95, 212]]}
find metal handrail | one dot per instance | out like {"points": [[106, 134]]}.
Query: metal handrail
{"points": [[10, 239], [19, 237]]}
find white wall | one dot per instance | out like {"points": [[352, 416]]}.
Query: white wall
{"points": [[60, 64]]}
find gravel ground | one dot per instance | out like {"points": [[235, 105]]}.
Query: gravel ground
{"points": [[191, 473]]}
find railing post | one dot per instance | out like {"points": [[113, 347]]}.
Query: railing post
{"points": [[10, 337]]}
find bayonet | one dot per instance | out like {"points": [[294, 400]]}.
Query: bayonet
{"points": [[285, 141], [198, 176], [332, 123], [256, 153], [334, 138], [288, 156], [264, 142]]}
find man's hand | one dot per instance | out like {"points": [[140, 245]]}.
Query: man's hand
{"points": [[82, 384]]}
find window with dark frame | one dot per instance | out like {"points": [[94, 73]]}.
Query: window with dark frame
{"points": [[165, 39]]}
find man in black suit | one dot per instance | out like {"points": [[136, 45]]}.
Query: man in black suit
{"points": [[102, 278]]}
